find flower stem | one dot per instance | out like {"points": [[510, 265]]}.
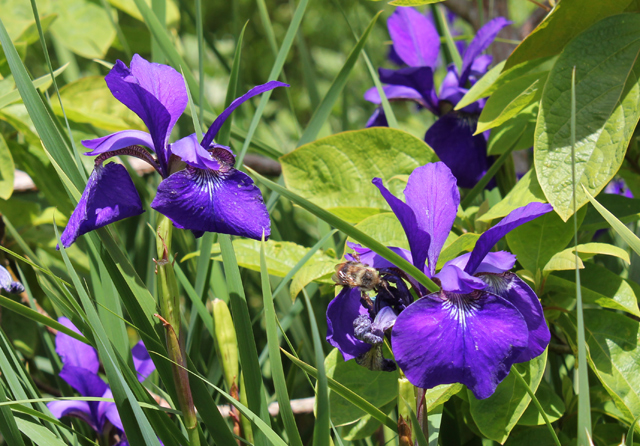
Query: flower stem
{"points": [[170, 307], [537, 404]]}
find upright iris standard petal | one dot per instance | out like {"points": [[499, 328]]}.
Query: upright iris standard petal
{"points": [[73, 352], [85, 382], [419, 238], [513, 289], [451, 137], [8, 284], [446, 338], [484, 37], [118, 140], [191, 152], [155, 92], [219, 121], [491, 236], [455, 280], [214, 201], [109, 196], [432, 194], [415, 39], [342, 311]]}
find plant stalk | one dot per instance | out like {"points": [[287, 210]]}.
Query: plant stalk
{"points": [[170, 308]]}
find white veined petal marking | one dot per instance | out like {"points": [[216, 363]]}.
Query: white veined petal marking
{"points": [[460, 306]]}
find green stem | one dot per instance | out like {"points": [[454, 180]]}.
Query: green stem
{"points": [[170, 308], [537, 404]]}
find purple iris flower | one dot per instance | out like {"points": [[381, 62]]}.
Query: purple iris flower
{"points": [[201, 190], [8, 284], [80, 371], [417, 44], [485, 318], [618, 187]]}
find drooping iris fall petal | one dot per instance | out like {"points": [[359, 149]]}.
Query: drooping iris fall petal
{"points": [[342, 311]]}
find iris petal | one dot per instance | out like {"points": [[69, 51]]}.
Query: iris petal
{"points": [[118, 140], [415, 39], [444, 339], [517, 292], [419, 79], [493, 262], [109, 196], [455, 280], [73, 352], [84, 381], [484, 37], [491, 236], [78, 409], [395, 93], [155, 92], [377, 119], [451, 137], [8, 284], [341, 312], [204, 200], [142, 361]]}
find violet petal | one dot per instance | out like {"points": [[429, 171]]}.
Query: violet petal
{"points": [[204, 200], [395, 93], [458, 339], [451, 137], [491, 236], [78, 409], [73, 352], [341, 312], [377, 119], [222, 117], [142, 361], [109, 196], [108, 410], [419, 79], [520, 295], [454, 280], [84, 381], [118, 140], [8, 284], [493, 262], [484, 37], [415, 39], [192, 153]]}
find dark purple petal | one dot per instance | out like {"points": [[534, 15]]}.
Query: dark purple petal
{"points": [[432, 194], [455, 280], [618, 187], [415, 39], [520, 295], [109, 196], [192, 153], [419, 79], [451, 137], [419, 238], [446, 338], [493, 262], [371, 258], [8, 284], [78, 409], [118, 140], [377, 119], [222, 117], [491, 236], [142, 361], [341, 312], [84, 381], [155, 92], [395, 93], [484, 37], [107, 410], [227, 202], [73, 352]]}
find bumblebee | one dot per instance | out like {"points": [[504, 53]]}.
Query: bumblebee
{"points": [[357, 275]]}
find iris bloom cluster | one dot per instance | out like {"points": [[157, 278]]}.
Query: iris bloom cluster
{"points": [[484, 318], [416, 44], [80, 371], [200, 190]]}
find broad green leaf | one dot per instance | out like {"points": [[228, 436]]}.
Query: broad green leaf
{"points": [[464, 243], [506, 102], [520, 128], [42, 82], [83, 27], [281, 256], [385, 228], [497, 415], [7, 170], [599, 286], [39, 434], [365, 426], [625, 233], [562, 261], [30, 34], [172, 14], [625, 209], [607, 96], [18, 18], [319, 271], [588, 250], [537, 241], [477, 90], [379, 388], [568, 19], [88, 100], [613, 355], [336, 172], [550, 402], [527, 191], [530, 436]]}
